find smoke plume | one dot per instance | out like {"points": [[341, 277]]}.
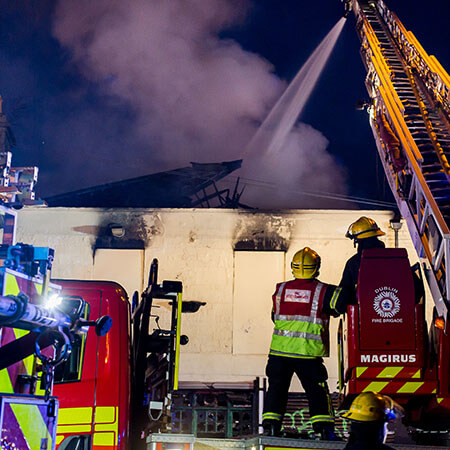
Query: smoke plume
{"points": [[193, 96]]}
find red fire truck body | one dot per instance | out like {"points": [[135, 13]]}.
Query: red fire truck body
{"points": [[94, 407], [386, 344]]}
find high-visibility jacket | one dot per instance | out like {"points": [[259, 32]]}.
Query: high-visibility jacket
{"points": [[301, 328]]}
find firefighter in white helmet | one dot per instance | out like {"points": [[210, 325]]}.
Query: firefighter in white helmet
{"points": [[301, 311], [369, 414]]}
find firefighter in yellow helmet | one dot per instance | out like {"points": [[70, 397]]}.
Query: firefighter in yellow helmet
{"points": [[369, 414], [365, 233], [301, 311]]}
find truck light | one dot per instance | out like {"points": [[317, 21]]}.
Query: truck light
{"points": [[52, 301], [439, 322]]}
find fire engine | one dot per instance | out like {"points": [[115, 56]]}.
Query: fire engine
{"points": [[107, 404], [122, 391]]}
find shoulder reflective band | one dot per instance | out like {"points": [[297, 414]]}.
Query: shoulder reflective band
{"points": [[334, 298]]}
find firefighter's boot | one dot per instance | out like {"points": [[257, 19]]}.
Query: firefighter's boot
{"points": [[272, 427], [325, 431]]}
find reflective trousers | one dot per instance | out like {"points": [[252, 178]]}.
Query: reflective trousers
{"points": [[313, 377]]}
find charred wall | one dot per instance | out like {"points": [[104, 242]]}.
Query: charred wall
{"points": [[261, 232]]}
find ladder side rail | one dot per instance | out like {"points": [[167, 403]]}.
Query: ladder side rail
{"points": [[434, 76], [437, 81], [396, 115], [376, 58], [411, 211], [446, 245], [385, 96]]}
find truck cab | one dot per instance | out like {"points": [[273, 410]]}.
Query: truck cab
{"points": [[94, 404]]}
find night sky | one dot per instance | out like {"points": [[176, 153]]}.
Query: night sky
{"points": [[81, 120]]}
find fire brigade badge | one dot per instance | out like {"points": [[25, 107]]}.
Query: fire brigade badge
{"points": [[297, 296], [386, 303]]}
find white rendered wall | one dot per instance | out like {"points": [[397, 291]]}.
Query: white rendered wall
{"points": [[197, 246]]}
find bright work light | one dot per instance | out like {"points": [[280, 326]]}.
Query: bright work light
{"points": [[52, 301]]}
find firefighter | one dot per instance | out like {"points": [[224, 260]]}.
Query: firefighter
{"points": [[347, 7], [368, 415], [301, 311], [364, 233]]}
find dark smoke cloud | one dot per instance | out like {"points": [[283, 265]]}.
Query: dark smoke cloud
{"points": [[191, 95]]}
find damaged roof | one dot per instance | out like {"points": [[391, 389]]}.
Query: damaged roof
{"points": [[179, 188]]}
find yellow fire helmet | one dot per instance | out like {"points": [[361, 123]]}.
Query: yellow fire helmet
{"points": [[305, 264], [363, 228], [373, 407]]}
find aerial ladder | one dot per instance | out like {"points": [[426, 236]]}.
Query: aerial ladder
{"points": [[409, 114]]}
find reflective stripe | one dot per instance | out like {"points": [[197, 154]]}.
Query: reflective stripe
{"points": [[106, 419], [5, 382], [297, 334], [74, 428], [105, 414], [376, 386], [74, 416], [296, 325], [294, 317], [272, 415], [11, 285], [334, 298], [106, 439], [278, 298], [290, 355], [315, 302], [322, 418], [390, 372], [410, 387], [32, 424], [360, 371]]}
